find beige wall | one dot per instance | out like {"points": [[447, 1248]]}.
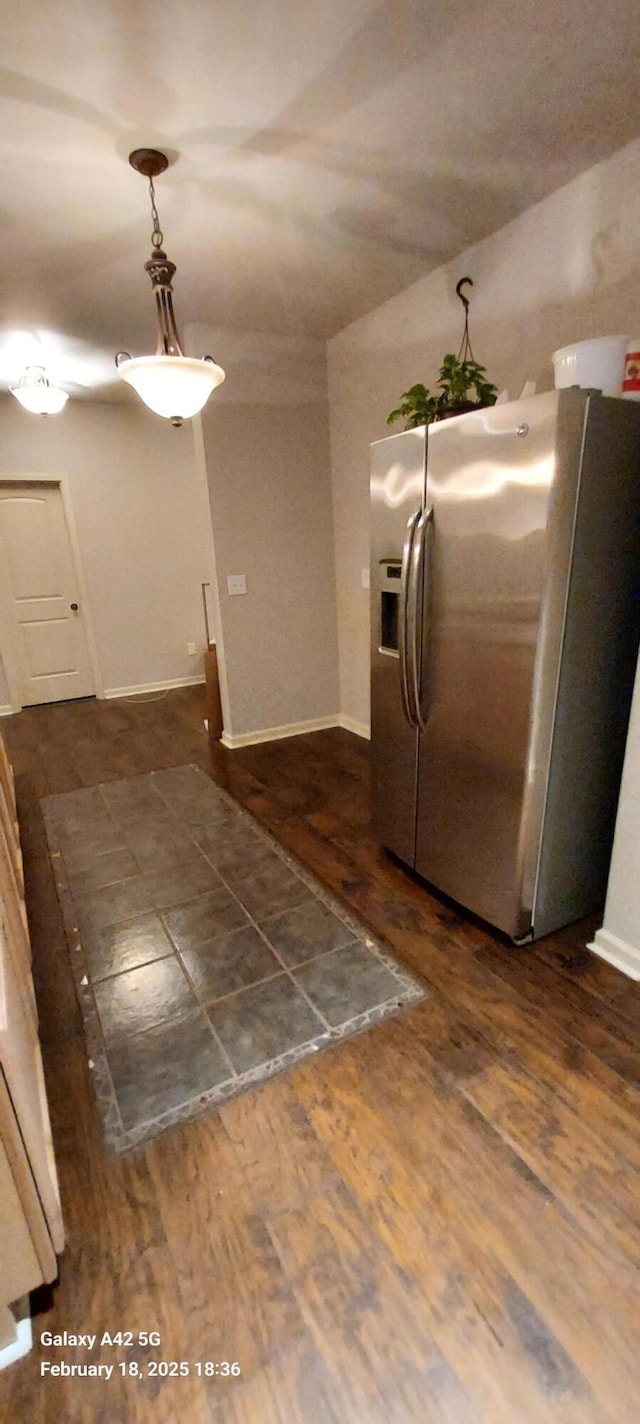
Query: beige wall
{"points": [[142, 517], [265, 435], [567, 269], [619, 938]]}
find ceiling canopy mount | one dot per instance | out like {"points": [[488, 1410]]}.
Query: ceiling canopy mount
{"points": [[149, 161]]}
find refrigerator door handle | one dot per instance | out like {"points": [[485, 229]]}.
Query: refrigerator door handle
{"points": [[406, 685], [416, 634]]}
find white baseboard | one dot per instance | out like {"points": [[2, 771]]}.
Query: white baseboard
{"points": [[243, 739], [20, 1346], [623, 956], [275, 734], [360, 729], [135, 690], [294, 729]]}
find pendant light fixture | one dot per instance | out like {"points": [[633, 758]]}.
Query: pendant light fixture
{"points": [[171, 384], [35, 393]]}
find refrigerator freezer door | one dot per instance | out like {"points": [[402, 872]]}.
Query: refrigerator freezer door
{"points": [[599, 628], [489, 482], [397, 497]]}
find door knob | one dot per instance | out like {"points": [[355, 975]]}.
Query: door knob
{"points": [[74, 607]]}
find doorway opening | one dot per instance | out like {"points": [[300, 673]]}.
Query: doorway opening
{"points": [[45, 632]]}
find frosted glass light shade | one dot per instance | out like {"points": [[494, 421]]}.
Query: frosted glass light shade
{"points": [[41, 398], [176, 387]]}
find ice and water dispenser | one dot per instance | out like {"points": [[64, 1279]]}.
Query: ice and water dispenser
{"points": [[390, 576]]}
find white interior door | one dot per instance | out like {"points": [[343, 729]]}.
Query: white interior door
{"points": [[41, 611]]}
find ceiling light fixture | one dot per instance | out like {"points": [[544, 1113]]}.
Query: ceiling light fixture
{"points": [[171, 384], [35, 393]]}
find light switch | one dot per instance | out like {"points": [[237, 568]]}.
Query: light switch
{"points": [[364, 578], [236, 583]]}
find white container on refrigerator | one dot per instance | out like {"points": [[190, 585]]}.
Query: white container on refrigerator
{"points": [[594, 365]]}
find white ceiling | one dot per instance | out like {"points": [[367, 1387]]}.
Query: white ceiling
{"points": [[326, 155]]}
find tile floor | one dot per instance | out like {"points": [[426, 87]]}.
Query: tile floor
{"points": [[204, 958]]}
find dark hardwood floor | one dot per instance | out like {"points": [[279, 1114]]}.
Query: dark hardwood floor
{"points": [[437, 1221]]}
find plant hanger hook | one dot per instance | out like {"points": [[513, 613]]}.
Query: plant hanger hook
{"points": [[465, 353], [465, 300]]}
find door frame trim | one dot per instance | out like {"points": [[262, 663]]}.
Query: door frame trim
{"points": [[60, 482]]}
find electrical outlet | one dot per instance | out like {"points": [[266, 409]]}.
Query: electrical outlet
{"points": [[236, 583], [191, 649], [364, 578]]}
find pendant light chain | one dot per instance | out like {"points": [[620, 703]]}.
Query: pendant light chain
{"points": [[157, 236]]}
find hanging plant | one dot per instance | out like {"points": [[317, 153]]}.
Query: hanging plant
{"points": [[417, 407], [463, 383]]}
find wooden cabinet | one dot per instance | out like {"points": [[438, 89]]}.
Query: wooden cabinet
{"points": [[31, 1230]]}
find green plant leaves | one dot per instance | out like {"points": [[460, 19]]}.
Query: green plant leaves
{"points": [[461, 383], [417, 407]]}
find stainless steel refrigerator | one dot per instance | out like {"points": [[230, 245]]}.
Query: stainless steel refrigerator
{"points": [[505, 624]]}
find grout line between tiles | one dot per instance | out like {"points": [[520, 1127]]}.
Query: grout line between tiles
{"points": [[278, 956]]}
